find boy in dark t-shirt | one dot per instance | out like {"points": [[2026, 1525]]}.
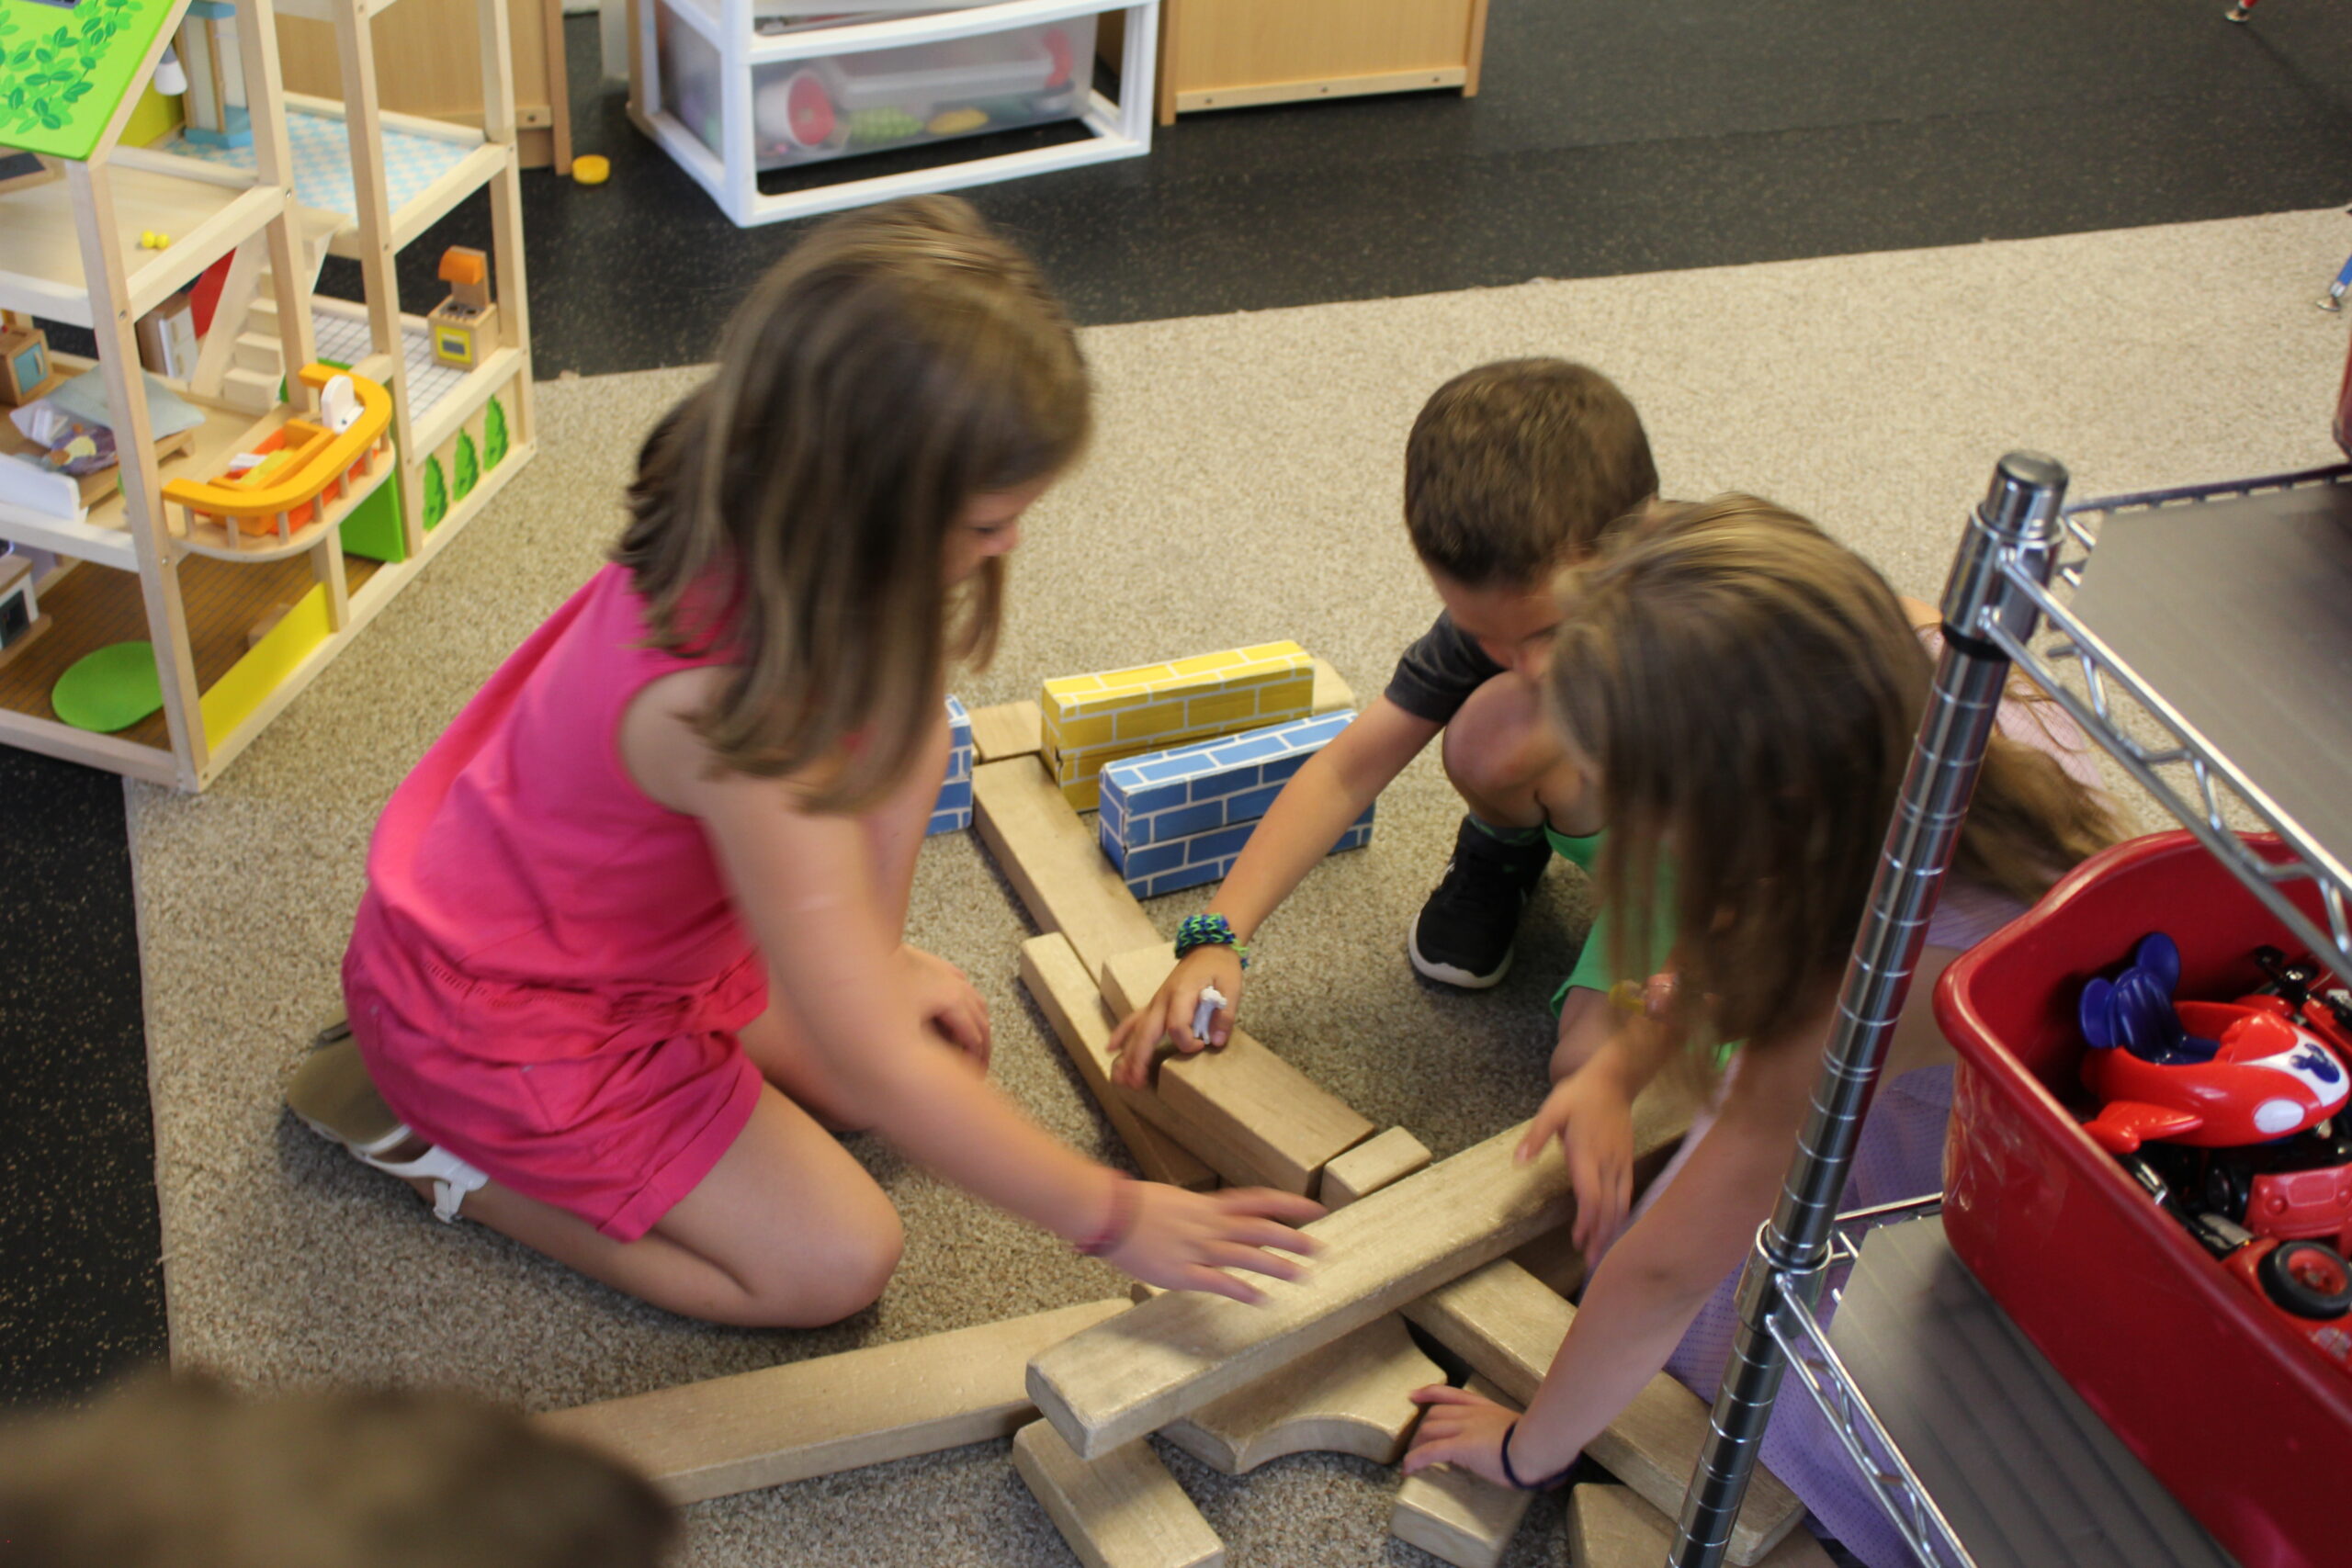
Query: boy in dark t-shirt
{"points": [[1512, 471]]}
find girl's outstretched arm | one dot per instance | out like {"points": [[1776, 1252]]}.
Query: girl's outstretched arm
{"points": [[805, 886], [1324, 795], [1650, 1286]]}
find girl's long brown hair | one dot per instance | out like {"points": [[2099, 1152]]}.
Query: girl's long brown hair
{"points": [[1749, 689], [795, 512]]}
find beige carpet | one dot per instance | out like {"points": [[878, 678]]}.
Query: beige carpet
{"points": [[1244, 487]]}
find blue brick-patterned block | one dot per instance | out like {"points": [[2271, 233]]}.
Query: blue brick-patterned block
{"points": [[1175, 864], [952, 811], [1195, 789]]}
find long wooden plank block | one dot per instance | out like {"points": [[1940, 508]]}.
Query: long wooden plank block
{"points": [[1457, 1516], [1065, 992], [1052, 862], [1176, 1353], [1508, 1325], [1008, 729], [804, 1418], [1122, 1510], [1609, 1527], [1241, 1105]]}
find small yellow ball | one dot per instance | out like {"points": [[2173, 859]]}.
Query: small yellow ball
{"points": [[592, 169]]}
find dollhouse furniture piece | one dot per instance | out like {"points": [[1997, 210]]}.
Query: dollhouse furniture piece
{"points": [[465, 325], [327, 514], [1221, 55], [734, 90]]}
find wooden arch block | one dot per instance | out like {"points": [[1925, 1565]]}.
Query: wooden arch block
{"points": [[1350, 1397]]}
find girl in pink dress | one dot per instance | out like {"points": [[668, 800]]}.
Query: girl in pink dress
{"points": [[1745, 826], [631, 940]]}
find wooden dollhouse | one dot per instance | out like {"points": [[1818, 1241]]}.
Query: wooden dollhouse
{"points": [[245, 533]]}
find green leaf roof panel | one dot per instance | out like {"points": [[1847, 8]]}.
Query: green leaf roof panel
{"points": [[66, 65]]}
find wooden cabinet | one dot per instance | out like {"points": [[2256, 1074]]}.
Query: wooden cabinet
{"points": [[428, 63], [1216, 54]]}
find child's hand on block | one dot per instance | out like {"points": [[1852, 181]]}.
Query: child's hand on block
{"points": [[1187, 1241], [1592, 1115], [1469, 1432], [1172, 1011]]}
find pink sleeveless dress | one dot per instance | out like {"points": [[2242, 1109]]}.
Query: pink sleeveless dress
{"points": [[547, 972]]}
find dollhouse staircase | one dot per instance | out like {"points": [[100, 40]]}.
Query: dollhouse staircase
{"points": [[243, 359]]}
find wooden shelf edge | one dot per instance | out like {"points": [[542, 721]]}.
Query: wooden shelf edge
{"points": [[152, 764]]}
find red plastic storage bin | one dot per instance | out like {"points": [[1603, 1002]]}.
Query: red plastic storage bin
{"points": [[2251, 1430]]}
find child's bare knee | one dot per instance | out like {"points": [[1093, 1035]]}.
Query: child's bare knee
{"points": [[1492, 746], [841, 1277]]}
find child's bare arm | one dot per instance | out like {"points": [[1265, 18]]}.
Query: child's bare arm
{"points": [[1307, 818], [1654, 1280], [804, 884]]}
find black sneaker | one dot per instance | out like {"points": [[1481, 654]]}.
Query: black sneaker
{"points": [[1464, 933]]}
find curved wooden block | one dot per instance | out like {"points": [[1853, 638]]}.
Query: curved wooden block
{"points": [[1348, 1398]]}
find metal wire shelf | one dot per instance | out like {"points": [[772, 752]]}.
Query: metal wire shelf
{"points": [[2022, 560], [2191, 778], [1803, 1340]]}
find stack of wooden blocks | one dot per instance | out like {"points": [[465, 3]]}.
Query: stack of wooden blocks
{"points": [[1471, 1251]]}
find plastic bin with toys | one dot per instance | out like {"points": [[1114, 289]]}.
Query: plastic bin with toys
{"points": [[2171, 1237], [809, 111]]}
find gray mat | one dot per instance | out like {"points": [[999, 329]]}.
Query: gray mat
{"points": [[1245, 486]]}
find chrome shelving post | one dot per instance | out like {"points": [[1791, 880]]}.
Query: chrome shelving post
{"points": [[2017, 530]]}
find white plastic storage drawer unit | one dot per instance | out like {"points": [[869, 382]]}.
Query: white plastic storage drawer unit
{"points": [[734, 88]]}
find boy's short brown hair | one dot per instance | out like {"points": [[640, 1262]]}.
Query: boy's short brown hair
{"points": [[1518, 466]]}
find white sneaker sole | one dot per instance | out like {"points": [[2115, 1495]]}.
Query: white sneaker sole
{"points": [[1448, 973]]}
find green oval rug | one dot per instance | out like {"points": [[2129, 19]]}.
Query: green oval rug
{"points": [[109, 689]]}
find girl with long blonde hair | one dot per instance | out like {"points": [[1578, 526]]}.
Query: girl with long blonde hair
{"points": [[632, 940], [1746, 690]]}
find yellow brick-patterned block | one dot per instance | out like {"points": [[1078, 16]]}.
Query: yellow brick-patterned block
{"points": [[1077, 732], [1092, 720], [1223, 708]]}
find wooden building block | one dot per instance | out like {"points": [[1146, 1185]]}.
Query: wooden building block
{"points": [[1050, 859], [836, 1412], [1090, 720], [1008, 729], [1177, 1352], [1250, 1114], [1177, 818], [952, 812], [1553, 1257], [1350, 1397], [1065, 994], [1371, 1165], [1508, 1325], [1457, 1516], [1331, 694], [1609, 1526], [1122, 1510]]}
